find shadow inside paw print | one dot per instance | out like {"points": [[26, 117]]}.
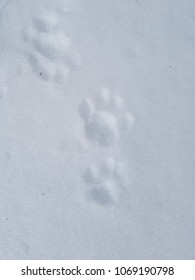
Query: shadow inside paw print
{"points": [[105, 194]]}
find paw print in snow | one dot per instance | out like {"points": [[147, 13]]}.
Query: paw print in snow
{"points": [[51, 52], [105, 118], [104, 181]]}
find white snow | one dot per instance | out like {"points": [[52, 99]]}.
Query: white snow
{"points": [[97, 134]]}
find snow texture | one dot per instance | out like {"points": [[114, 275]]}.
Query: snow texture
{"points": [[97, 114]]}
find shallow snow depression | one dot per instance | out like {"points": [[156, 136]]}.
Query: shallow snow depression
{"points": [[96, 129]]}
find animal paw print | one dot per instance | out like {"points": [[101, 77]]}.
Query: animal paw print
{"points": [[105, 118], [104, 181], [51, 53]]}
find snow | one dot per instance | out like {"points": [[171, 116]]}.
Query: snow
{"points": [[97, 129]]}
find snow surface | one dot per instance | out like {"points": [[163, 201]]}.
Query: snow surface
{"points": [[97, 129]]}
